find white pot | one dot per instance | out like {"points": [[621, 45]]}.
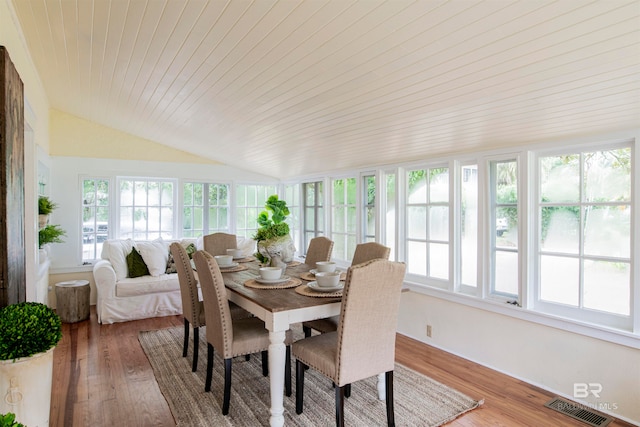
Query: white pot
{"points": [[25, 388], [43, 220]]}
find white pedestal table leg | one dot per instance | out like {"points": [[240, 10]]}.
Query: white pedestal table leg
{"points": [[277, 355], [381, 383]]}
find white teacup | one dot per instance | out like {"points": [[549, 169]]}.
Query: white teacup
{"points": [[325, 266], [270, 273], [328, 279], [223, 260], [235, 253]]}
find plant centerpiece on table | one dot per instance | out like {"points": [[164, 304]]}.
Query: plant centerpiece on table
{"points": [[273, 239], [29, 331]]}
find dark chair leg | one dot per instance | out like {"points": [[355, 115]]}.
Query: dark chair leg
{"points": [[207, 383], [196, 342], [227, 386], [339, 406], [388, 380], [287, 372], [347, 390], [299, 385], [307, 331], [265, 363], [185, 346]]}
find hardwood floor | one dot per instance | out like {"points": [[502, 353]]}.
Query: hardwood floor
{"points": [[101, 377]]}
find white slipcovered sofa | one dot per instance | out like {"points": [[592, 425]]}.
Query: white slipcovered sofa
{"points": [[121, 298]]}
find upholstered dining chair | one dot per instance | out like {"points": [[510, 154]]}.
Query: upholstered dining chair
{"points": [[356, 351], [367, 251], [192, 308], [218, 243], [364, 252], [232, 337], [319, 250]]}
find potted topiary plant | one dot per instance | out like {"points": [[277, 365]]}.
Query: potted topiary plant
{"points": [[9, 420], [273, 239], [45, 207], [29, 331]]}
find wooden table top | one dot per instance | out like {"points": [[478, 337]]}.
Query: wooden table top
{"points": [[273, 300]]}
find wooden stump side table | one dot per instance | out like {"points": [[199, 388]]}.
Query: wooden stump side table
{"points": [[73, 299]]}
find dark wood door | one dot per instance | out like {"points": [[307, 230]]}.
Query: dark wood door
{"points": [[12, 245]]}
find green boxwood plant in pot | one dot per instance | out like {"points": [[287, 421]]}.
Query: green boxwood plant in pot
{"points": [[29, 332], [273, 240]]}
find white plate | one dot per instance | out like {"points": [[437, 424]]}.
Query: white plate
{"points": [[233, 264], [239, 257], [315, 287], [272, 281]]}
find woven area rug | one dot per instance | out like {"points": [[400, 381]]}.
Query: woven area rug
{"points": [[418, 400]]}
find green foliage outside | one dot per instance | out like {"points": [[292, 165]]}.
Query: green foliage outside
{"points": [[28, 328], [9, 420], [50, 234]]}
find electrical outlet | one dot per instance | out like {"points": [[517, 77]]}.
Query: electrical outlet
{"points": [[429, 331]]}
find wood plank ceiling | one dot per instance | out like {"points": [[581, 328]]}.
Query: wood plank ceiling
{"points": [[290, 88]]}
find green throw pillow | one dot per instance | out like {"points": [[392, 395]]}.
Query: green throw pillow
{"points": [[136, 264], [191, 249]]}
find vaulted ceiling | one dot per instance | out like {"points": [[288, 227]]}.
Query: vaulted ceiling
{"points": [[290, 88]]}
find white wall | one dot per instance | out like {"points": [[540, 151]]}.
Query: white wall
{"points": [[550, 358]]}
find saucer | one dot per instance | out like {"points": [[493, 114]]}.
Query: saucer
{"points": [[315, 287], [233, 264], [272, 281]]}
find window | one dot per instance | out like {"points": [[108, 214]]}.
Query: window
{"points": [[250, 201], [292, 197], [428, 223], [391, 214], [469, 226], [504, 216], [205, 209], [343, 217], [146, 209], [313, 211], [95, 217], [369, 208], [584, 229]]}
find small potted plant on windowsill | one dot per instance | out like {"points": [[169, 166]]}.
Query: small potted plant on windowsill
{"points": [[273, 239], [29, 331]]}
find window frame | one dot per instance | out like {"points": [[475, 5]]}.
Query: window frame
{"points": [[206, 207], [175, 206], [110, 217], [428, 279], [582, 314], [319, 211]]}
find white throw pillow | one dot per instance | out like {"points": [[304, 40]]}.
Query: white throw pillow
{"points": [[116, 252], [155, 255]]}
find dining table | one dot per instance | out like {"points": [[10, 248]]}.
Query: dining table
{"points": [[279, 305]]}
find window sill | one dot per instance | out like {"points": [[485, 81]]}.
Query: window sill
{"points": [[624, 338], [77, 269]]}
